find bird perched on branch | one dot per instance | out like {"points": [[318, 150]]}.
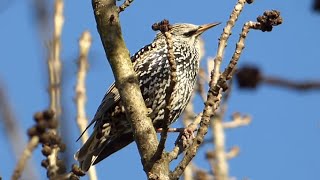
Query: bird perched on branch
{"points": [[112, 131]]}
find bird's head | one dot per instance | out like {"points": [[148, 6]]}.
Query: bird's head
{"points": [[187, 32], [190, 30]]}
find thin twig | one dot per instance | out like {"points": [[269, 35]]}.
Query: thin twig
{"points": [[13, 130], [54, 61], [125, 4], [300, 86], [237, 121], [213, 97], [214, 93], [80, 89], [81, 98], [221, 169], [54, 65], [180, 144], [164, 26], [224, 38], [187, 119], [33, 143], [233, 152], [219, 165]]}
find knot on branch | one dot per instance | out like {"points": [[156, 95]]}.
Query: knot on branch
{"points": [[163, 26], [222, 83], [269, 19], [248, 77]]}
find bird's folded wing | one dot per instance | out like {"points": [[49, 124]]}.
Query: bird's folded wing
{"points": [[111, 97]]}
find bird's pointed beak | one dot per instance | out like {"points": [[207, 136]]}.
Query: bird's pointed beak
{"points": [[205, 27]]}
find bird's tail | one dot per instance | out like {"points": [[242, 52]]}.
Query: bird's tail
{"points": [[97, 148], [89, 152]]}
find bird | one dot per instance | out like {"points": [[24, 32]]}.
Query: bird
{"points": [[112, 131]]}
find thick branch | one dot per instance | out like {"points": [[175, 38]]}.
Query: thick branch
{"points": [[107, 18]]}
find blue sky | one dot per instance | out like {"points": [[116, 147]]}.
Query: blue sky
{"points": [[281, 143]]}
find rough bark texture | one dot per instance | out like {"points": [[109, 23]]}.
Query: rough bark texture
{"points": [[108, 24]]}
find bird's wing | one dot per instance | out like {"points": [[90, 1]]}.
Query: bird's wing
{"points": [[111, 97], [90, 151]]}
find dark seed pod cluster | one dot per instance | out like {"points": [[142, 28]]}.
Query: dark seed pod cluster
{"points": [[45, 124], [269, 19], [248, 77]]}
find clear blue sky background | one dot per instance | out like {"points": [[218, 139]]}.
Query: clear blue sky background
{"points": [[281, 143]]}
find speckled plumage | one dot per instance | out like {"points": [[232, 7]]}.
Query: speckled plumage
{"points": [[112, 131]]}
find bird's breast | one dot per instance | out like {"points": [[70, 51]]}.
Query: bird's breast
{"points": [[154, 77]]}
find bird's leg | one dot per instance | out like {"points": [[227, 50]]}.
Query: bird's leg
{"points": [[186, 134]]}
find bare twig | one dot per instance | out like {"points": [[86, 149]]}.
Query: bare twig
{"points": [[214, 94], [54, 66], [213, 97], [81, 98], [221, 165], [224, 38], [300, 86], [125, 4], [80, 89], [188, 173], [221, 170], [12, 129], [33, 143], [180, 144], [237, 121], [187, 119], [213, 159], [233, 152], [164, 26], [54, 61]]}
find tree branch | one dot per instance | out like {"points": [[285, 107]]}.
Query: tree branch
{"points": [[81, 98], [224, 38], [55, 68], [213, 96], [108, 25], [265, 23], [33, 143]]}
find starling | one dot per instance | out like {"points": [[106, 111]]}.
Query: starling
{"points": [[112, 131]]}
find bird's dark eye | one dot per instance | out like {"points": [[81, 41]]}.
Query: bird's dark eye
{"points": [[190, 33]]}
